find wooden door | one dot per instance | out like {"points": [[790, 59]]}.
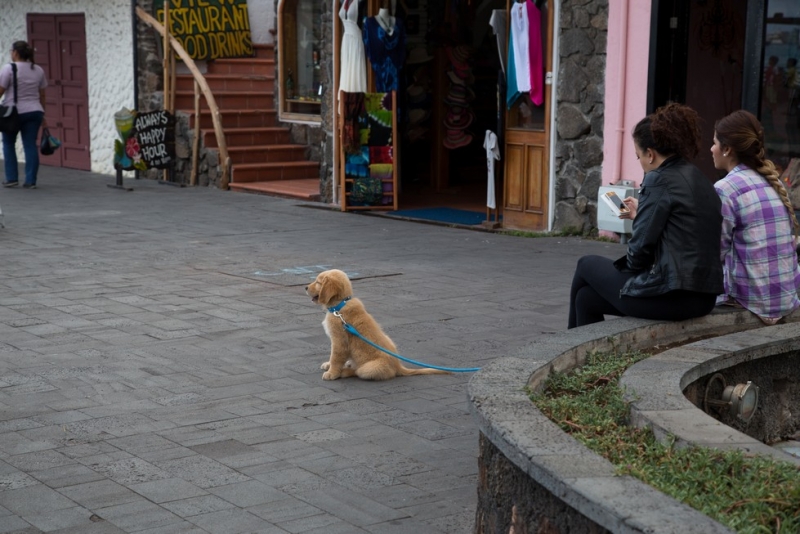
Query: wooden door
{"points": [[60, 45], [526, 185]]}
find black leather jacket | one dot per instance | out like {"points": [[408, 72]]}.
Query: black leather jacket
{"points": [[675, 239]]}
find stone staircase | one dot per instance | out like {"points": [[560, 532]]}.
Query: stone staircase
{"points": [[263, 158]]}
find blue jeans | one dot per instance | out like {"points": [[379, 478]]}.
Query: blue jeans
{"points": [[29, 124]]}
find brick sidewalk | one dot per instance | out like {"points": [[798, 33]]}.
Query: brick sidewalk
{"points": [[159, 361]]}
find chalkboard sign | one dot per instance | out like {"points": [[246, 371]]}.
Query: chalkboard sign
{"points": [[209, 29], [147, 140]]}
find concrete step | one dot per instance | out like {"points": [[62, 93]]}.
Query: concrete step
{"points": [[304, 189], [225, 82], [264, 51], [234, 137], [266, 153], [237, 118], [228, 100], [265, 67], [266, 172]]}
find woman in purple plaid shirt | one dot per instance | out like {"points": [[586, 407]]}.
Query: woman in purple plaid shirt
{"points": [[757, 248]]}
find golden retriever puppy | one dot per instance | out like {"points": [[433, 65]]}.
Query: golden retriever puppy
{"points": [[351, 356]]}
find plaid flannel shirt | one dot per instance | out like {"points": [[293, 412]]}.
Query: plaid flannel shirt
{"points": [[757, 249]]}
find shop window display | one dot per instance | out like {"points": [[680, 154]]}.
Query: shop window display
{"points": [[780, 82], [300, 44]]}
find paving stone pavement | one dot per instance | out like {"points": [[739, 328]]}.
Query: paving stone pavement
{"points": [[159, 361]]}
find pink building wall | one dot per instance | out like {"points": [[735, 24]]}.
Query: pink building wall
{"points": [[627, 59]]}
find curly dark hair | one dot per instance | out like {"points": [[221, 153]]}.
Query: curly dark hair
{"points": [[743, 134], [672, 129], [24, 51]]}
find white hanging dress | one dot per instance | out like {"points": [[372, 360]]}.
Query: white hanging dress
{"points": [[353, 74]]}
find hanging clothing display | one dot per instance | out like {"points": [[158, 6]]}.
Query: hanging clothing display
{"points": [[519, 46], [351, 127], [379, 117], [535, 53], [459, 115], [353, 72], [385, 46], [492, 153], [498, 22], [525, 54]]}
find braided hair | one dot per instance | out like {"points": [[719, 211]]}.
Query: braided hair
{"points": [[672, 129], [742, 132], [24, 51]]}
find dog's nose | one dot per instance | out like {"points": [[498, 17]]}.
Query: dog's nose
{"points": [[306, 288]]}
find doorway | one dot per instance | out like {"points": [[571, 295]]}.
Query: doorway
{"points": [[526, 197], [60, 45], [450, 94], [698, 60]]}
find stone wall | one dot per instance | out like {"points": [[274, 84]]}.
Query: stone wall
{"points": [[778, 381], [580, 95], [508, 497]]}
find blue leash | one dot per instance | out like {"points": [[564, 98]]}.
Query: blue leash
{"points": [[352, 329]]}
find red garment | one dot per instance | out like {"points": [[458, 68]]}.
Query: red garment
{"points": [[535, 53]]}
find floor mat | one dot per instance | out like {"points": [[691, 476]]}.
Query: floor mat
{"points": [[447, 215]]}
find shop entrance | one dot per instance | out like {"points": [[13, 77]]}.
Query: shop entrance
{"points": [[451, 94]]}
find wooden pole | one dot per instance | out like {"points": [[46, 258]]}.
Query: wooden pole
{"points": [[196, 142], [395, 153], [172, 83], [339, 133], [166, 64]]}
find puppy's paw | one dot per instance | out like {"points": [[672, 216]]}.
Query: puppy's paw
{"points": [[329, 376], [325, 366]]}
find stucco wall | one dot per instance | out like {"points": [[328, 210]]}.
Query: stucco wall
{"points": [[628, 55], [109, 59], [262, 19]]}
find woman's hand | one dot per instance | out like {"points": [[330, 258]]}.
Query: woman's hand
{"points": [[633, 205]]}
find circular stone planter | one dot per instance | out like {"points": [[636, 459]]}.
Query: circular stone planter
{"points": [[537, 478]]}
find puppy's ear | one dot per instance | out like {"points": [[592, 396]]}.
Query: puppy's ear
{"points": [[327, 288]]}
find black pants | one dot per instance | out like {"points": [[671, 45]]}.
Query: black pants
{"points": [[595, 292]]}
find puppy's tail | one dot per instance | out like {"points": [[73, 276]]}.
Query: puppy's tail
{"points": [[405, 371]]}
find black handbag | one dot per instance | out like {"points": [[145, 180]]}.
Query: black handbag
{"points": [[9, 117], [49, 143]]}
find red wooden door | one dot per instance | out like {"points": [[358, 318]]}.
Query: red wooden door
{"points": [[60, 45]]}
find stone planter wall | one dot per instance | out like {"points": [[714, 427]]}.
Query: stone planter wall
{"points": [[536, 478]]}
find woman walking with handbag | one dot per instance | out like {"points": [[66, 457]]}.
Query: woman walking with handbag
{"points": [[22, 82]]}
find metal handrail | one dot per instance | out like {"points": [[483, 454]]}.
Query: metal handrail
{"points": [[200, 82]]}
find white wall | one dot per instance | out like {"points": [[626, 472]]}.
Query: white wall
{"points": [[262, 19], [109, 57]]}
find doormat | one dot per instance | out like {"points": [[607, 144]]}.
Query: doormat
{"points": [[445, 215]]}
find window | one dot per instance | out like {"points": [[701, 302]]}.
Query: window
{"points": [[300, 44], [780, 82]]}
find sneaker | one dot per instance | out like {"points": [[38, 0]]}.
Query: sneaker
{"points": [[10, 184], [29, 186]]}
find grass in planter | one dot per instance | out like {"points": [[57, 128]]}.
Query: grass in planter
{"points": [[747, 494]]}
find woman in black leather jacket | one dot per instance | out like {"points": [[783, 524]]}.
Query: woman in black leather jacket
{"points": [[672, 269]]}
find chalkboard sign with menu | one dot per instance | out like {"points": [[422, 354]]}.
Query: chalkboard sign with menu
{"points": [[147, 140]]}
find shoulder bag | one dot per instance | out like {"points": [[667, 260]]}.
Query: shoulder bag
{"points": [[9, 117]]}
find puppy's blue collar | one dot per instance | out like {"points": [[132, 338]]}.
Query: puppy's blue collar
{"points": [[334, 309]]}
